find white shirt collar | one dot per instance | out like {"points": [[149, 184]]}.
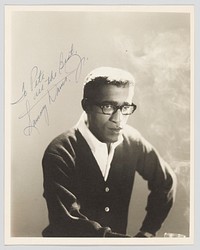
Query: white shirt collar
{"points": [[88, 135], [98, 148]]}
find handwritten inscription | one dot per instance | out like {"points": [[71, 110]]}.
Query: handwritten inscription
{"points": [[44, 88]]}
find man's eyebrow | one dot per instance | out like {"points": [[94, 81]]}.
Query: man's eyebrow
{"points": [[127, 103]]}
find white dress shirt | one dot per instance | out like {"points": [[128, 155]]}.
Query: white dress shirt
{"points": [[99, 149]]}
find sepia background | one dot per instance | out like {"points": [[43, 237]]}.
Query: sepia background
{"points": [[47, 47]]}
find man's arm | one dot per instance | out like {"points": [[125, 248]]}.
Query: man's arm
{"points": [[162, 186], [65, 217]]}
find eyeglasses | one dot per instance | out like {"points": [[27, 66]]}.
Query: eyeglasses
{"points": [[109, 109]]}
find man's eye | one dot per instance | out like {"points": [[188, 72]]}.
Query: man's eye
{"points": [[126, 107], [108, 106]]}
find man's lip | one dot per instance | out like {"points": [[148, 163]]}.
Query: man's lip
{"points": [[116, 129]]}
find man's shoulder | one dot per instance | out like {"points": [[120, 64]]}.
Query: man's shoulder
{"points": [[66, 135], [131, 133], [134, 137], [63, 141]]}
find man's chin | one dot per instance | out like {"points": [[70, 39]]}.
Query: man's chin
{"points": [[110, 138], [113, 139]]}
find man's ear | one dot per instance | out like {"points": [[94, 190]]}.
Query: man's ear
{"points": [[85, 104]]}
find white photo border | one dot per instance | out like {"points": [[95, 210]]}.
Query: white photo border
{"points": [[96, 241]]}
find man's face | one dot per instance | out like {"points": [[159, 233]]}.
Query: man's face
{"points": [[107, 128]]}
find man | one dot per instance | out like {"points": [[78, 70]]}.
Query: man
{"points": [[89, 171]]}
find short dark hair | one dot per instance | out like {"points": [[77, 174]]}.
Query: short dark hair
{"points": [[106, 76]]}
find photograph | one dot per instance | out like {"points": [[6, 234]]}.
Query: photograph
{"points": [[99, 113]]}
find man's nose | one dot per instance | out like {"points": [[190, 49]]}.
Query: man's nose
{"points": [[117, 117]]}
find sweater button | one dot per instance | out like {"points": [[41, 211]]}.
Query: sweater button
{"points": [[107, 209], [107, 189]]}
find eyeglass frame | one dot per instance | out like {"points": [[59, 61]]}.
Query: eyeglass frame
{"points": [[116, 107]]}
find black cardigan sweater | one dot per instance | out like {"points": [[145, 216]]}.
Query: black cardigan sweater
{"points": [[82, 204]]}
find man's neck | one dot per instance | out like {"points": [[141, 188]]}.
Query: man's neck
{"points": [[108, 146]]}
